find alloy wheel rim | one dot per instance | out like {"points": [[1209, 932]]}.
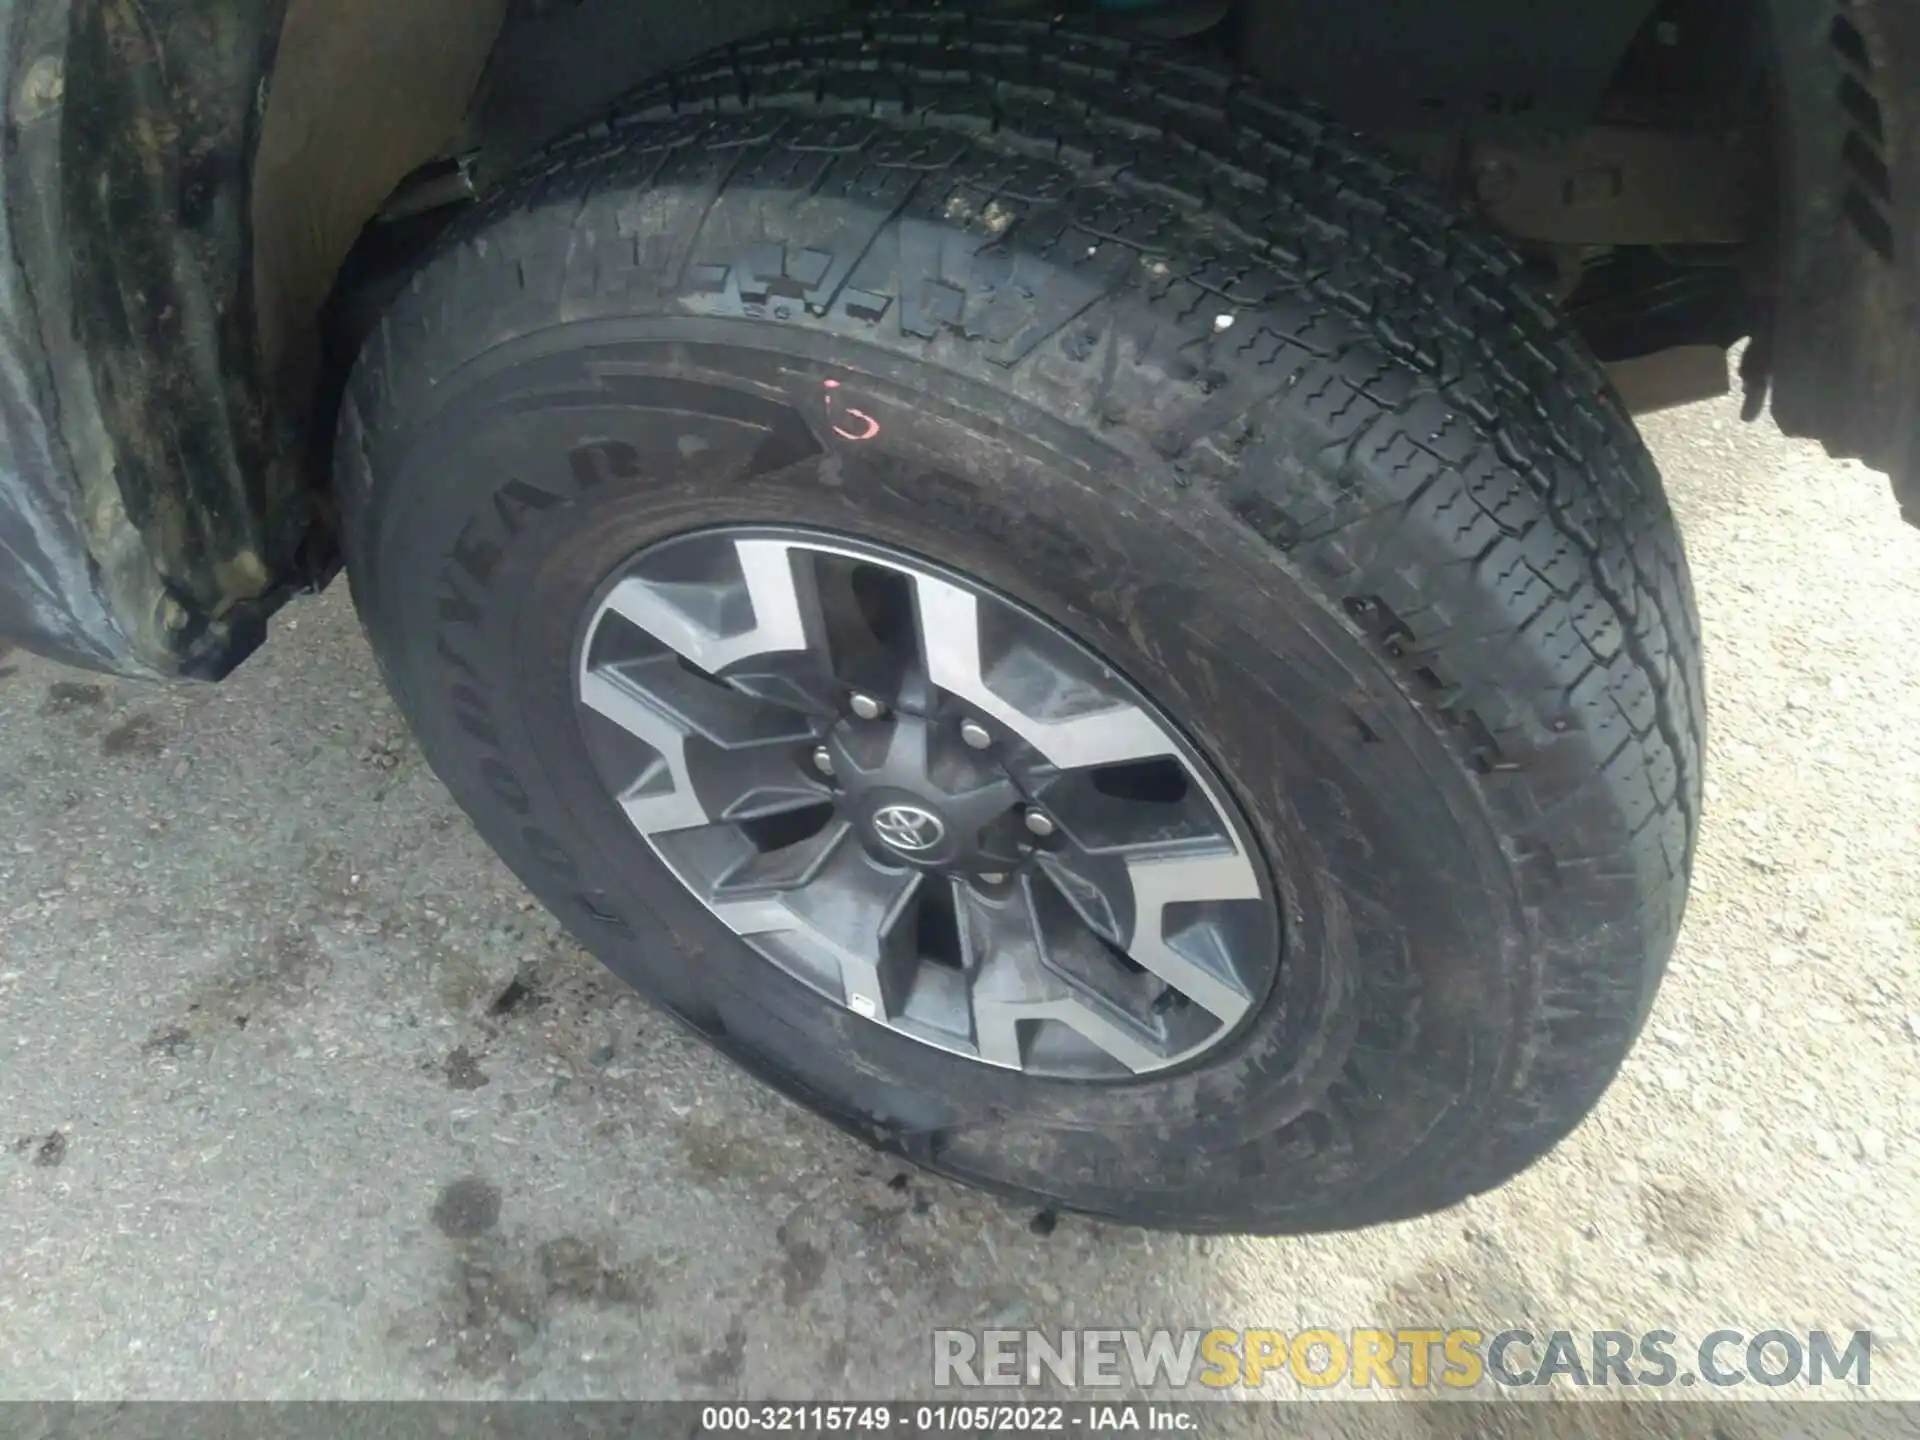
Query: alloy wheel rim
{"points": [[926, 802]]}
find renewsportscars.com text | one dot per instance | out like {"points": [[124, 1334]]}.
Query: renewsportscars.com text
{"points": [[1457, 1358]]}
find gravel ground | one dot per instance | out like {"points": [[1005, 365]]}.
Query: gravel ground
{"points": [[302, 1096]]}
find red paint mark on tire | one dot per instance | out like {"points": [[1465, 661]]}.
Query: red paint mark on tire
{"points": [[872, 427], [869, 427]]}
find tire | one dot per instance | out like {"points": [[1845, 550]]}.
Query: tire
{"points": [[1190, 374]]}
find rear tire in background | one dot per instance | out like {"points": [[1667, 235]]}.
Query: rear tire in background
{"points": [[1236, 430]]}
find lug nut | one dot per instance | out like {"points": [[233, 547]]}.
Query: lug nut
{"points": [[823, 760], [977, 736], [866, 707], [1040, 823]]}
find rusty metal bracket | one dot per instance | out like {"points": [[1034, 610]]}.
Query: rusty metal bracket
{"points": [[1614, 185]]}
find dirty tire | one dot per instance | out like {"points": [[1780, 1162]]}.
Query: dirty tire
{"points": [[1190, 372]]}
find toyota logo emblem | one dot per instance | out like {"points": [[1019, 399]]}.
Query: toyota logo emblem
{"points": [[908, 827]]}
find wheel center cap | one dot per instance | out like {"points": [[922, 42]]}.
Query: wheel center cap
{"points": [[908, 827], [920, 796]]}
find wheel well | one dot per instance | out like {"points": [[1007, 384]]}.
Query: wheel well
{"points": [[210, 234], [1624, 148], [362, 93], [1622, 145], [366, 94]]}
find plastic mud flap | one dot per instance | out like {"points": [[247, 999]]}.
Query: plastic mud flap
{"points": [[50, 597], [153, 509], [1842, 346]]}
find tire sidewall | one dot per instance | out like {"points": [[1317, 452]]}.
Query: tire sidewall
{"points": [[1402, 967]]}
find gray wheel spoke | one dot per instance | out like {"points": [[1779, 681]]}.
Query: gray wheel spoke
{"points": [[1192, 968], [753, 783], [1003, 958], [759, 873], [1096, 887], [661, 797], [1103, 727], [753, 607], [1014, 988], [697, 779], [845, 920]]}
